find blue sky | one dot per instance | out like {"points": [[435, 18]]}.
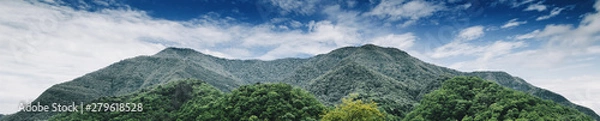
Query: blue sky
{"points": [[553, 44]]}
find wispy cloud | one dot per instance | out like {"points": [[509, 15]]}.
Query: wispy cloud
{"points": [[302, 7], [410, 11], [460, 46], [537, 7], [402, 41], [553, 13], [470, 33], [516, 3], [513, 23], [587, 94]]}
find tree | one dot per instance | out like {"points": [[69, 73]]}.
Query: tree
{"points": [[354, 110], [273, 102]]}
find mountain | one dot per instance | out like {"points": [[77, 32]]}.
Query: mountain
{"points": [[388, 76]]}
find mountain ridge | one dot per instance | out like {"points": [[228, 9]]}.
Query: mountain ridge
{"points": [[409, 76]]}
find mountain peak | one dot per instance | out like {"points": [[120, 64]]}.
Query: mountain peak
{"points": [[371, 46], [173, 51], [388, 50], [370, 49]]}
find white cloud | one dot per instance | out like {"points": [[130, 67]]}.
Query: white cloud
{"points": [[460, 46], [411, 11], [559, 43], [470, 33], [549, 31], [586, 93], [466, 6], [44, 45], [553, 13], [454, 49], [403, 41], [515, 3], [528, 35], [513, 23], [484, 53], [537, 7], [322, 37], [597, 6], [303, 7], [562, 42], [351, 3]]}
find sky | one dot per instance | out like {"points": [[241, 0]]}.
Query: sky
{"points": [[552, 44]]}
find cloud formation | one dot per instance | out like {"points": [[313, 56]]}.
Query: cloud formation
{"points": [[553, 13], [470, 33], [403, 41], [460, 45], [303, 7], [516, 3], [410, 11], [513, 23], [537, 7]]}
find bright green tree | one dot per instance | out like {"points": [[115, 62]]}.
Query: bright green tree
{"points": [[272, 102], [354, 110]]}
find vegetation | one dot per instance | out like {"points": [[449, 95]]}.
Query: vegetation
{"points": [[268, 102], [195, 100], [354, 110], [159, 104], [471, 98], [392, 95]]}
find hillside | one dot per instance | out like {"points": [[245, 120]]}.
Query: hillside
{"points": [[387, 75], [158, 104], [471, 98], [191, 99]]}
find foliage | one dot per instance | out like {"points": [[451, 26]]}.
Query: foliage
{"points": [[354, 110], [159, 104], [272, 102], [471, 98], [195, 100]]}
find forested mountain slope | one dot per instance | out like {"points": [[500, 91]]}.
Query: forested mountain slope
{"points": [[474, 99]]}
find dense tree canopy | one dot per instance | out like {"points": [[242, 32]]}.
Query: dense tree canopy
{"points": [[195, 100], [273, 102], [161, 103], [354, 110], [471, 98]]}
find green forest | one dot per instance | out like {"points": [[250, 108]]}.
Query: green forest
{"points": [[474, 99], [459, 98]]}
